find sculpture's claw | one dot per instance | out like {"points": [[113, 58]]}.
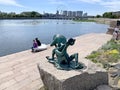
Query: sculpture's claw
{"points": [[78, 66], [50, 59], [59, 67], [47, 57]]}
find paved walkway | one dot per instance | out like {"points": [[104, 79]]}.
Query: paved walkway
{"points": [[19, 71]]}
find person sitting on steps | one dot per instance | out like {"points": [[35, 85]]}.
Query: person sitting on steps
{"points": [[38, 41], [35, 45]]}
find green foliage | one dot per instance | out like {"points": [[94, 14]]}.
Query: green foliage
{"points": [[114, 57], [84, 20], [111, 45], [108, 53], [43, 88], [94, 60], [93, 55], [98, 16], [109, 15], [32, 14]]}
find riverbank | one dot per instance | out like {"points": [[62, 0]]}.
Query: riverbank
{"points": [[103, 20], [98, 20], [19, 71]]}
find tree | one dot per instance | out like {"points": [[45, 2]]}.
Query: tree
{"points": [[11, 15], [109, 15], [32, 14], [98, 16]]}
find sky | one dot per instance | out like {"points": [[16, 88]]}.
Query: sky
{"points": [[92, 7]]}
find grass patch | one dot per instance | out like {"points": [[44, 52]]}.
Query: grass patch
{"points": [[84, 20], [107, 54], [43, 88]]}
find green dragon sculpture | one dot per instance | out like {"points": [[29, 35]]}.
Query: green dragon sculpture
{"points": [[62, 59]]}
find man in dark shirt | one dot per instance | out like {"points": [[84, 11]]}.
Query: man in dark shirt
{"points": [[38, 42]]}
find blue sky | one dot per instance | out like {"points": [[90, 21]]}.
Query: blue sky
{"points": [[92, 7]]}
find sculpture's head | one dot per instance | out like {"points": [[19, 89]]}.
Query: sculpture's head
{"points": [[58, 39], [71, 41]]}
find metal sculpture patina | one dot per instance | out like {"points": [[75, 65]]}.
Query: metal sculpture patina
{"points": [[62, 59]]}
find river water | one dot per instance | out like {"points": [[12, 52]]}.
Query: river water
{"points": [[17, 35]]}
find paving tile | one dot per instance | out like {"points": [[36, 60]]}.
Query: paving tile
{"points": [[6, 74], [7, 84]]}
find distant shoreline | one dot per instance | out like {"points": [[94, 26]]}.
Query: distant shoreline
{"points": [[97, 20]]}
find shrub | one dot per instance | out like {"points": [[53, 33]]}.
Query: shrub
{"points": [[108, 53]]}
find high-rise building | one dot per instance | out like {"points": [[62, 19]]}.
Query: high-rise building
{"points": [[69, 13], [85, 15], [65, 13], [79, 13], [73, 13], [57, 12]]}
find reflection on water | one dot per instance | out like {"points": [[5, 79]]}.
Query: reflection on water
{"points": [[17, 35], [33, 22]]}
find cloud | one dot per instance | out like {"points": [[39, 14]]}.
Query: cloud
{"points": [[90, 1], [112, 5], [109, 4], [56, 2], [10, 2]]}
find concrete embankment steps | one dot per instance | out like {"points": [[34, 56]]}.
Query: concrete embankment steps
{"points": [[19, 71]]}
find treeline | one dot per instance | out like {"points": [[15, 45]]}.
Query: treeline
{"points": [[37, 15], [22, 15], [111, 15]]}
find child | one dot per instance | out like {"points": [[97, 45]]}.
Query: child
{"points": [[35, 45]]}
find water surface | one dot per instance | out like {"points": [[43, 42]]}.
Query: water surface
{"points": [[17, 35]]}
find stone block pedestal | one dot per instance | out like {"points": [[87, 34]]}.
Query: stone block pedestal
{"points": [[85, 79]]}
